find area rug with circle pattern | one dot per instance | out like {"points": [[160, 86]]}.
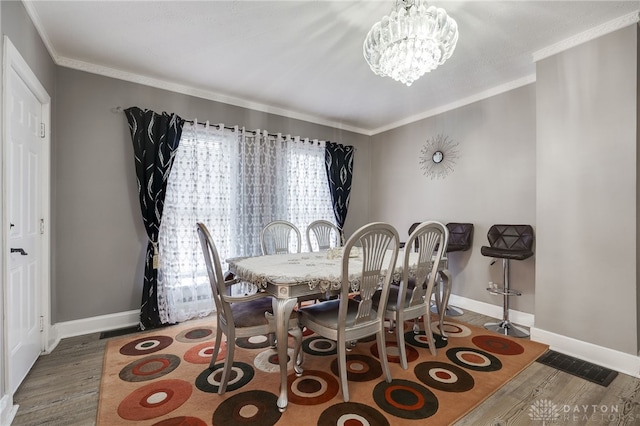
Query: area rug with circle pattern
{"points": [[162, 377]]}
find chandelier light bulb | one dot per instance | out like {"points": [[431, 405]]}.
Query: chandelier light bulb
{"points": [[414, 39]]}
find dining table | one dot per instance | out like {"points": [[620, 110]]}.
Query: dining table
{"points": [[293, 276]]}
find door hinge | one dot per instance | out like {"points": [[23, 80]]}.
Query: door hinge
{"points": [[41, 226], [41, 323], [42, 130]]}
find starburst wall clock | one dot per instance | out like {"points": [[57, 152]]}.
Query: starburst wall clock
{"points": [[438, 156]]}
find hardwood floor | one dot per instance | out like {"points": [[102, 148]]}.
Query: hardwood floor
{"points": [[62, 389]]}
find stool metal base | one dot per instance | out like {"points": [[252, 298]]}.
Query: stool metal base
{"points": [[507, 328], [451, 311]]}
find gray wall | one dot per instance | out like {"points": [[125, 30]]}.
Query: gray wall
{"points": [[101, 239], [17, 25], [560, 155], [493, 182], [587, 121]]}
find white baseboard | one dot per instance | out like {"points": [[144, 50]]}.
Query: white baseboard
{"points": [[605, 357], [52, 339], [7, 410], [494, 311], [90, 325]]}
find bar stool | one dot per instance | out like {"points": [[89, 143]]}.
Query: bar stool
{"points": [[411, 229], [508, 242], [460, 239]]}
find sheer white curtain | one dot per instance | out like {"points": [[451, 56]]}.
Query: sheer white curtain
{"points": [[308, 194], [259, 193], [198, 190], [234, 181]]}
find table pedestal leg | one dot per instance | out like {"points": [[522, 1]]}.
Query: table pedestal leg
{"points": [[282, 309]]}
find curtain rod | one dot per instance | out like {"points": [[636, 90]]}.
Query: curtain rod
{"points": [[119, 109]]}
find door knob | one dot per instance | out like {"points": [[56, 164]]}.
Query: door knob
{"points": [[19, 250]]}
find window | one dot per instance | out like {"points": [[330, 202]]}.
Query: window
{"points": [[235, 182]]}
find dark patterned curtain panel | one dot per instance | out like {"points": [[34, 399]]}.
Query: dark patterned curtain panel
{"points": [[339, 164], [155, 140]]}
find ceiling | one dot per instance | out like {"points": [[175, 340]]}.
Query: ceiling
{"points": [[303, 59]]}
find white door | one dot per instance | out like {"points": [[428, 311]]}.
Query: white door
{"points": [[24, 274]]}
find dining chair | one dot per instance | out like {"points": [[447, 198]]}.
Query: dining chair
{"points": [[406, 303], [275, 238], [351, 317], [239, 316], [327, 235]]}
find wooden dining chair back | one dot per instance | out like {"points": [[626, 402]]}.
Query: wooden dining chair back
{"points": [[351, 317], [238, 316], [412, 228], [325, 234], [280, 237], [410, 303]]}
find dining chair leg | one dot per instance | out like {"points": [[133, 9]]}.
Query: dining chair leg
{"points": [[391, 325], [416, 325], [401, 348], [426, 319], [382, 350], [436, 293], [228, 363], [445, 276], [216, 347], [342, 366]]}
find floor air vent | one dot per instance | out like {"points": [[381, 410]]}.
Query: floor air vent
{"points": [[119, 332], [577, 367]]}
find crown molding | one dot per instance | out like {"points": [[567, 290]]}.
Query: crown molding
{"points": [[607, 27], [213, 96], [200, 93], [585, 36], [502, 88], [230, 100], [35, 18], [174, 87]]}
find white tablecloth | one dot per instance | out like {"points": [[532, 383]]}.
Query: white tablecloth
{"points": [[318, 269]]}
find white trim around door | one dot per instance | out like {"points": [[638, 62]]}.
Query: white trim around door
{"points": [[14, 64]]}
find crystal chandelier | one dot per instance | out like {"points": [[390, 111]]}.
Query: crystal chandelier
{"points": [[414, 39]]}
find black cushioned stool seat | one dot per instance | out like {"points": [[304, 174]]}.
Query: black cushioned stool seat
{"points": [[508, 242], [460, 236]]}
